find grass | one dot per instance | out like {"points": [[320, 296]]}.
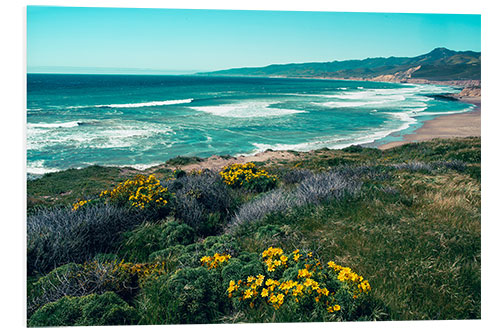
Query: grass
{"points": [[410, 224], [422, 256], [66, 187]]}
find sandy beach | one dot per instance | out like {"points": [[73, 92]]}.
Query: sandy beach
{"points": [[448, 126]]}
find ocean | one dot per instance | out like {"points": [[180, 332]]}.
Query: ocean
{"points": [[75, 121]]}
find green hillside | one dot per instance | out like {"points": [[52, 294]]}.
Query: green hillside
{"points": [[439, 64]]}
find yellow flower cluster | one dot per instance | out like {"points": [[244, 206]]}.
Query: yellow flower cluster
{"points": [[309, 286], [214, 261], [108, 272], [239, 174], [80, 204], [273, 258], [334, 308], [143, 270], [345, 274], [196, 172], [140, 192]]}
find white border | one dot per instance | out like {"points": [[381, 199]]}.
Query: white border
{"points": [[13, 193]]}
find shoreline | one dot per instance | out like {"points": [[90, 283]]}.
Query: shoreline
{"points": [[446, 126]]}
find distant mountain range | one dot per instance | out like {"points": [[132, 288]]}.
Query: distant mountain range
{"points": [[440, 64]]}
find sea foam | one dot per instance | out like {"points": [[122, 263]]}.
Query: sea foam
{"points": [[54, 125], [144, 104], [131, 105], [246, 110]]}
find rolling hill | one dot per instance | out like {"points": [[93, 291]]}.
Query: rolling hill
{"points": [[441, 64]]}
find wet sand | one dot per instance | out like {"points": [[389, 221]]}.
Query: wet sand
{"points": [[448, 126]]}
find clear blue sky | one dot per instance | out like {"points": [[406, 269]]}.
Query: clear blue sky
{"points": [[72, 39]]}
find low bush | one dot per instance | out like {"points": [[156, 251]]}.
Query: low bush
{"points": [[248, 176], [272, 286], [325, 185], [468, 155], [297, 287], [313, 189], [181, 256], [294, 176], [178, 173], [353, 149], [274, 201], [456, 165], [413, 166], [184, 160], [142, 192], [427, 167], [51, 287], [474, 171], [202, 201], [61, 235], [91, 310], [94, 277], [139, 243], [190, 296]]}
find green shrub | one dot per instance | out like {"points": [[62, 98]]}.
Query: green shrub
{"points": [[246, 264], [221, 244], [184, 160], [466, 155], [295, 287], [353, 149], [62, 188], [178, 173], [474, 172], [139, 243], [91, 310], [94, 277], [54, 285], [190, 296], [172, 257], [189, 256]]}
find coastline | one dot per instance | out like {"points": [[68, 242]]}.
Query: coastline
{"points": [[446, 126]]}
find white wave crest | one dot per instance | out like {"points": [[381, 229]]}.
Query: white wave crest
{"points": [[39, 168], [337, 142], [442, 113], [141, 167], [140, 105], [53, 125], [245, 110], [331, 143], [111, 135]]}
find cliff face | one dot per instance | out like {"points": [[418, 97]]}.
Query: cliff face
{"points": [[401, 76], [470, 92]]}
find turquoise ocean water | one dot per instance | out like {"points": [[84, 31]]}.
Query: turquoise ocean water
{"points": [[138, 120]]}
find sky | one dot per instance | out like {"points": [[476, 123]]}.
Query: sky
{"points": [[176, 41]]}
